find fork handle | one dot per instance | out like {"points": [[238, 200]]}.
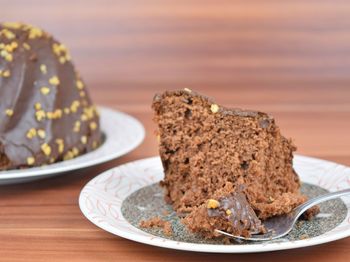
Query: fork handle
{"points": [[317, 200]]}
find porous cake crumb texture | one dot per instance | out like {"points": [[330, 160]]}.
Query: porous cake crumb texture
{"points": [[208, 151]]}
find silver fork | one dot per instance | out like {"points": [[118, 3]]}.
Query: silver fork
{"points": [[280, 226]]}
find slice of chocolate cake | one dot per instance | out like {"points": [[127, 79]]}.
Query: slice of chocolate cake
{"points": [[46, 114], [231, 156]]}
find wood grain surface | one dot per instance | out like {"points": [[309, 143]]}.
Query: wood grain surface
{"points": [[289, 58]]}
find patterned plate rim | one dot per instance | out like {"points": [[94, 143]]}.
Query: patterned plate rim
{"points": [[98, 187]]}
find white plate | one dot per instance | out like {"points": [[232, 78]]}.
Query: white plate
{"points": [[101, 200], [122, 133]]}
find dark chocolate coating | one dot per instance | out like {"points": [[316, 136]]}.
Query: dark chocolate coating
{"points": [[46, 114], [241, 215]]}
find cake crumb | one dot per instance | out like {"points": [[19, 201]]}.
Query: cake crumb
{"points": [[226, 241], [311, 212], [304, 236], [167, 229], [157, 222]]}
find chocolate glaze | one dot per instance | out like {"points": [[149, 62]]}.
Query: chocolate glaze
{"points": [[240, 214], [46, 114]]}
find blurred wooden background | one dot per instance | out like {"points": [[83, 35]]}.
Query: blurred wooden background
{"points": [[289, 58], [197, 42]]}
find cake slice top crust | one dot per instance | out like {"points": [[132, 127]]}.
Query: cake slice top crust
{"points": [[215, 108]]}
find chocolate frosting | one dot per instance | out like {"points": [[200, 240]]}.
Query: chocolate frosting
{"points": [[236, 209], [46, 114]]}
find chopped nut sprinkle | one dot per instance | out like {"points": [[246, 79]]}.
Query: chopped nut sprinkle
{"points": [[74, 106], [212, 203], [58, 49], [61, 52], [31, 133], [49, 115], [46, 149], [57, 114], [45, 90], [60, 144], [54, 81], [80, 84], [43, 69], [84, 118], [37, 106], [26, 46], [41, 133], [68, 155], [9, 57], [7, 33], [6, 73], [89, 112], [75, 151], [35, 32], [9, 112], [214, 108], [76, 127], [5, 54], [12, 25], [11, 47], [30, 161], [62, 60], [40, 115], [83, 140], [187, 90], [228, 212], [93, 125]]}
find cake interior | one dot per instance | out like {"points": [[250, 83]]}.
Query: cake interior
{"points": [[208, 151]]}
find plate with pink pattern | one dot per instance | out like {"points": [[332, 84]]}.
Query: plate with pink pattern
{"points": [[120, 198]]}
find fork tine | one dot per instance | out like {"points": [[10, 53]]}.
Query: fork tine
{"points": [[263, 237]]}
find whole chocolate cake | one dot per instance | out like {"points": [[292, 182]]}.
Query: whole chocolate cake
{"points": [[46, 114], [225, 169]]}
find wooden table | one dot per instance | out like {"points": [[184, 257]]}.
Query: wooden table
{"points": [[289, 58]]}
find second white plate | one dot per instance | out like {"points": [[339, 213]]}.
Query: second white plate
{"points": [[122, 133]]}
